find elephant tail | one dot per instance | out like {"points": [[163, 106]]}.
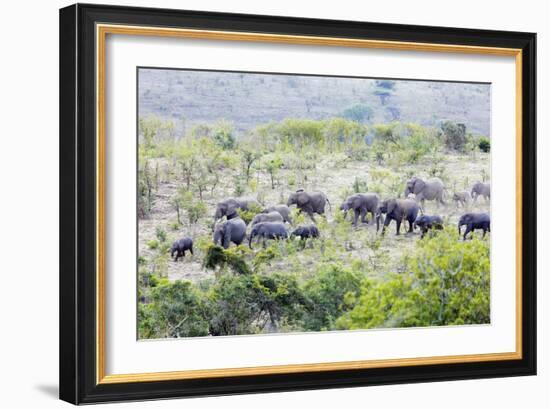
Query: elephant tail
{"points": [[329, 205]]}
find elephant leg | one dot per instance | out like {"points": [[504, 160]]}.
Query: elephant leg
{"points": [[469, 228], [191, 250], [355, 217], [363, 215], [398, 226], [484, 233], [411, 225]]}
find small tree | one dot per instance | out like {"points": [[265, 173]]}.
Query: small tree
{"points": [[223, 135], [272, 167], [454, 135], [195, 208], [249, 155], [178, 201], [358, 113]]}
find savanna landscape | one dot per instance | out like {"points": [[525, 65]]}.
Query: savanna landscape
{"points": [[206, 137]]}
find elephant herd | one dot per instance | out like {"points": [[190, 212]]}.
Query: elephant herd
{"points": [[271, 222]]}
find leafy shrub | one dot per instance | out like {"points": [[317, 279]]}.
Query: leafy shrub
{"points": [[195, 208], [216, 256], [223, 135], [484, 144], [176, 310], [248, 304], [359, 185], [330, 293], [160, 233], [153, 244], [447, 282]]}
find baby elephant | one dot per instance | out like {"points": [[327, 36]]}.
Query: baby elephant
{"points": [[267, 231], [474, 221], [306, 232], [425, 223], [267, 217], [180, 247], [462, 198]]}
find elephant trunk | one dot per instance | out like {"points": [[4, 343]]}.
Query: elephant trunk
{"points": [[250, 240]]}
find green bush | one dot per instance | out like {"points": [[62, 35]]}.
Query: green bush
{"points": [[160, 233], [446, 282], [484, 144], [223, 135], [175, 310], [153, 244], [232, 258], [248, 304], [330, 293]]}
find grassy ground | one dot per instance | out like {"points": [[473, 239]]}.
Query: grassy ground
{"points": [[335, 175]]}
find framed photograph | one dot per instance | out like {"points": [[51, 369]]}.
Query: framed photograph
{"points": [[257, 203]]}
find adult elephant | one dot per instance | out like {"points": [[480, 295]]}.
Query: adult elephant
{"points": [[474, 221], [229, 207], [267, 217], [282, 209], [431, 189], [233, 230], [361, 204], [398, 210], [481, 189], [309, 202], [268, 231]]}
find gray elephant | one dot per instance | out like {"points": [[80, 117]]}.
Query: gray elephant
{"points": [[462, 198], [267, 217], [425, 223], [233, 230], [474, 221], [431, 189], [398, 210], [180, 247], [229, 207], [282, 209], [268, 231], [361, 204], [309, 202], [481, 189]]}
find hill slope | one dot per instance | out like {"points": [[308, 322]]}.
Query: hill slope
{"points": [[192, 97]]}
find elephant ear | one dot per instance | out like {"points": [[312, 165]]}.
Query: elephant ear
{"points": [[231, 210], [418, 185], [302, 199], [391, 206]]}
